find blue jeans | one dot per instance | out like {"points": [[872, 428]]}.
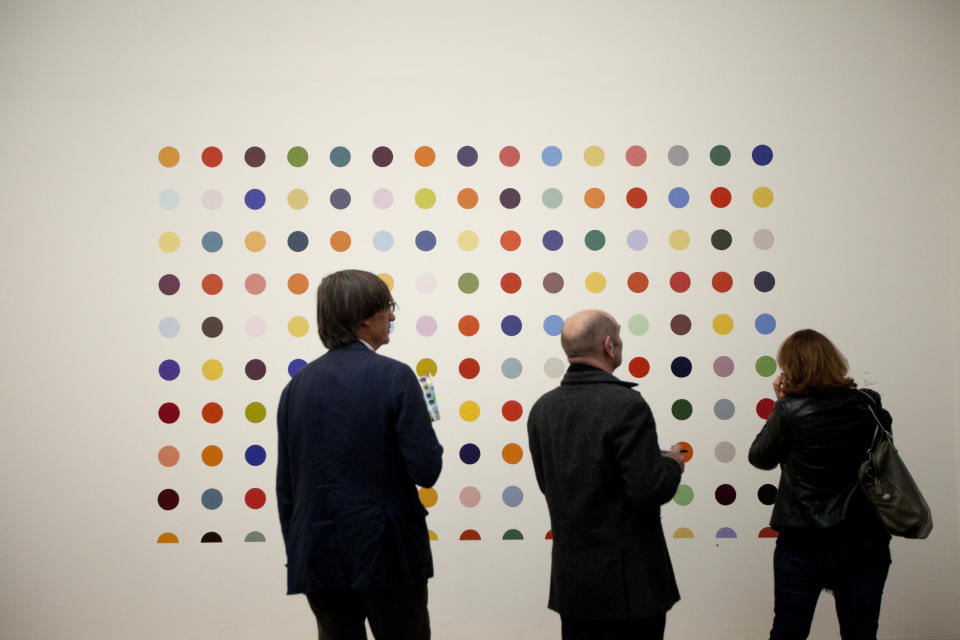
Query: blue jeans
{"points": [[855, 576]]}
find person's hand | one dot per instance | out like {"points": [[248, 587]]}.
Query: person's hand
{"points": [[675, 453], [778, 386]]}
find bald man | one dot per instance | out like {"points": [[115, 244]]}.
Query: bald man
{"points": [[594, 448]]}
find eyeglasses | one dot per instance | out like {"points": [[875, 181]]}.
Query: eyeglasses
{"points": [[391, 306]]}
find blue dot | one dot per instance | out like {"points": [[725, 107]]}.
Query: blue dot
{"points": [[255, 199], [169, 199], [255, 455], [552, 240], [469, 453], [765, 323], [169, 327], [762, 155], [339, 156], [511, 325], [512, 496], [298, 241], [426, 241], [169, 370], [681, 366], [211, 499], [212, 241], [383, 241], [679, 197], [511, 368], [467, 156], [296, 365], [340, 199], [551, 156], [553, 325]]}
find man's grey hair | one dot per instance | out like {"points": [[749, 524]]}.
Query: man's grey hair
{"points": [[589, 341]]}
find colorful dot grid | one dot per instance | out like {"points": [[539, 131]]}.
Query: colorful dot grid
{"points": [[676, 242]]}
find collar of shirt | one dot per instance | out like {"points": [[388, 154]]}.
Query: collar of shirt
{"points": [[366, 344]]}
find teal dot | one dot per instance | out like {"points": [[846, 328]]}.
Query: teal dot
{"points": [[638, 325], [339, 156], [766, 366], [720, 155], [595, 240]]}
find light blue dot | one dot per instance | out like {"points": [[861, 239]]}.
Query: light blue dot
{"points": [[512, 496], [637, 240], [383, 241], [551, 156], [511, 368], [169, 327], [553, 325], [212, 241], [765, 323], [169, 199], [211, 499], [679, 197]]}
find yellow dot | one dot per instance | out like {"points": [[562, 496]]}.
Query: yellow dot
{"points": [[255, 241], [425, 198], [169, 242], [723, 324], [297, 199], [593, 156], [426, 367], [595, 282], [298, 326], [683, 532], [169, 157], [432, 535], [469, 411], [212, 369], [679, 239], [468, 240], [387, 278], [762, 197], [428, 497]]}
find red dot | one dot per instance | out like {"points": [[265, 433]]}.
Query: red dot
{"points": [[512, 410], [470, 534], [510, 282], [549, 535], [679, 282], [212, 156], [212, 412], [720, 197], [636, 197], [510, 240], [722, 281], [639, 367], [169, 412], [212, 284], [255, 498], [469, 325], [509, 156], [469, 368], [638, 282], [765, 408]]}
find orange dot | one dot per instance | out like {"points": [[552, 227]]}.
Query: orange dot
{"points": [[340, 241], [594, 198], [298, 283], [510, 240], [637, 282], [424, 156], [512, 453], [212, 284], [212, 455], [689, 451], [469, 325], [169, 156], [467, 198], [212, 412], [255, 241]]}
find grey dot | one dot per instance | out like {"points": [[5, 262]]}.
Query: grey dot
{"points": [[763, 239], [511, 368], [725, 452], [678, 155], [554, 368], [723, 409]]}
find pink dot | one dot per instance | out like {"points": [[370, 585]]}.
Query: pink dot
{"points": [[426, 325], [636, 156], [255, 283], [723, 366], [382, 198], [509, 156], [212, 199], [256, 327], [470, 496]]}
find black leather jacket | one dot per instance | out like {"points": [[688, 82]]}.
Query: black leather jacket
{"points": [[819, 440]]}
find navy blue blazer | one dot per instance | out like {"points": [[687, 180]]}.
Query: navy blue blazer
{"points": [[354, 440]]}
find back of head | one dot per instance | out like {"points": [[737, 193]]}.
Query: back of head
{"points": [[344, 300], [810, 362], [583, 334]]}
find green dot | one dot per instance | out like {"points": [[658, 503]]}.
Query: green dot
{"points": [[468, 282], [512, 534], [425, 198], [766, 366], [552, 198], [684, 495], [638, 325], [682, 409], [297, 156], [720, 155], [595, 240], [721, 239], [256, 412]]}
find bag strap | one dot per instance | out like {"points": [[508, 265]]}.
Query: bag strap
{"points": [[880, 427]]}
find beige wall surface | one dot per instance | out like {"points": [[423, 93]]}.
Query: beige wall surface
{"points": [[858, 101]]}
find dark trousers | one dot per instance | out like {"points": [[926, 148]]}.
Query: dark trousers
{"points": [[394, 614], [855, 576], [638, 629]]}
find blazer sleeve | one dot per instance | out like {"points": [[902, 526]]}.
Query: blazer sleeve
{"points": [[771, 445], [284, 481], [533, 442], [650, 478], [421, 451]]}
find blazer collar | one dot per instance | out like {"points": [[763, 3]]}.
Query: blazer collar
{"points": [[593, 376]]}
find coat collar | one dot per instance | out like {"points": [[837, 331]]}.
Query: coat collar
{"points": [[593, 376]]}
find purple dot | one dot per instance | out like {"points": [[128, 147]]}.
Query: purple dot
{"points": [[382, 156], [552, 240], [637, 240], [764, 281], [255, 156], [340, 199], [723, 366], [469, 453], [169, 284], [426, 325], [255, 369], [511, 325], [254, 199], [426, 241], [510, 198], [169, 369], [467, 156]]}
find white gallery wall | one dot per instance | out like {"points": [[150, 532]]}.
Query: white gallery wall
{"points": [[850, 228]]}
